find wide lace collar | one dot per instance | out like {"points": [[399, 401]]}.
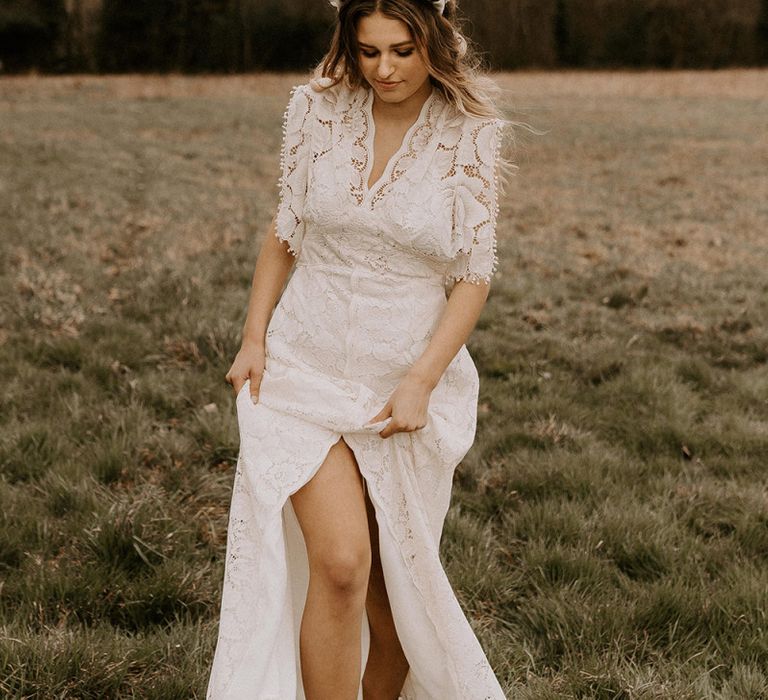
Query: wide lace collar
{"points": [[411, 159]]}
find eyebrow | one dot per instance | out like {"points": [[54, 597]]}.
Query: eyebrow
{"points": [[391, 46]]}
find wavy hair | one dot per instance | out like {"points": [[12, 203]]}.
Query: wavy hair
{"points": [[454, 67]]}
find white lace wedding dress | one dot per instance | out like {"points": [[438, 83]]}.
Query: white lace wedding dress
{"points": [[372, 273]]}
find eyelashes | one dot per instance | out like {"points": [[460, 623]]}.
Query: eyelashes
{"points": [[402, 54]]}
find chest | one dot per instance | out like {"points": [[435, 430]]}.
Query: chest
{"points": [[387, 141], [381, 167], [405, 203], [386, 184]]}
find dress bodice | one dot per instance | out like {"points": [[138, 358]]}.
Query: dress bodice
{"points": [[432, 213]]}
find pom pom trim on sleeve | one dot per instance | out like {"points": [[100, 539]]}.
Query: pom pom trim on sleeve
{"points": [[468, 275], [283, 186]]}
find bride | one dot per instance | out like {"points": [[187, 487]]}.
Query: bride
{"points": [[356, 395]]}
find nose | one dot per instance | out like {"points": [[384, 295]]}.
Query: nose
{"points": [[384, 69]]}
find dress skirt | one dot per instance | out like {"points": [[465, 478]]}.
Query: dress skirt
{"points": [[324, 379]]}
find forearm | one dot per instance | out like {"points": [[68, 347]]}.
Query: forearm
{"points": [[273, 264], [454, 328]]}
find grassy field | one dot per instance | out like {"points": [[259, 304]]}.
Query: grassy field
{"points": [[608, 535]]}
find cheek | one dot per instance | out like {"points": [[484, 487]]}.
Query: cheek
{"points": [[366, 67], [416, 68]]}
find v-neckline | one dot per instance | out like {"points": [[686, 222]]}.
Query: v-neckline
{"points": [[370, 140]]}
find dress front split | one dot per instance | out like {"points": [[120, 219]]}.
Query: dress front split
{"points": [[372, 273]]}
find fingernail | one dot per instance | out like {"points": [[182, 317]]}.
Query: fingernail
{"points": [[254, 399]]}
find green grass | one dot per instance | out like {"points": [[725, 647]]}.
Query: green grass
{"points": [[608, 534]]}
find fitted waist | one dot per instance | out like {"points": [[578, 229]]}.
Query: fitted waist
{"points": [[374, 275]]}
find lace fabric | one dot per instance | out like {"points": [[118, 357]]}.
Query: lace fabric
{"points": [[446, 171], [365, 297]]}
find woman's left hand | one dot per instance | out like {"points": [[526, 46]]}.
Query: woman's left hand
{"points": [[407, 406]]}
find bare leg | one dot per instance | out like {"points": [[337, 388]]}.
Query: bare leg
{"points": [[331, 511], [387, 666]]}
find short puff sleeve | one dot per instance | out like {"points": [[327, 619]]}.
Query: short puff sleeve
{"points": [[475, 207], [294, 168]]}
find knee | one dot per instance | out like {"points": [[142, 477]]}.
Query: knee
{"points": [[345, 569]]}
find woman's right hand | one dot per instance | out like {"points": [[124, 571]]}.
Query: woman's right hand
{"points": [[248, 364]]}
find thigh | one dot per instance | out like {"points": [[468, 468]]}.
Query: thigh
{"points": [[331, 509], [373, 529]]}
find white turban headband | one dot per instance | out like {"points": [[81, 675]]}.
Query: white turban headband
{"points": [[439, 4]]}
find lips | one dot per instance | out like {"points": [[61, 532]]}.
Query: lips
{"points": [[383, 84]]}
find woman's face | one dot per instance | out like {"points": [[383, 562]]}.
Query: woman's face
{"points": [[389, 59]]}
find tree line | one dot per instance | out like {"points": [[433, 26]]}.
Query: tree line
{"points": [[245, 35]]}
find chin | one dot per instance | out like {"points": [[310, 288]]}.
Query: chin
{"points": [[390, 96], [397, 94]]}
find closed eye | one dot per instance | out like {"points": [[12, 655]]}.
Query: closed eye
{"points": [[402, 54]]}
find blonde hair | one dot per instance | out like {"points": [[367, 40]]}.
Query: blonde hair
{"points": [[454, 67]]}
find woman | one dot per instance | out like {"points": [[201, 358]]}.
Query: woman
{"points": [[356, 397]]}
